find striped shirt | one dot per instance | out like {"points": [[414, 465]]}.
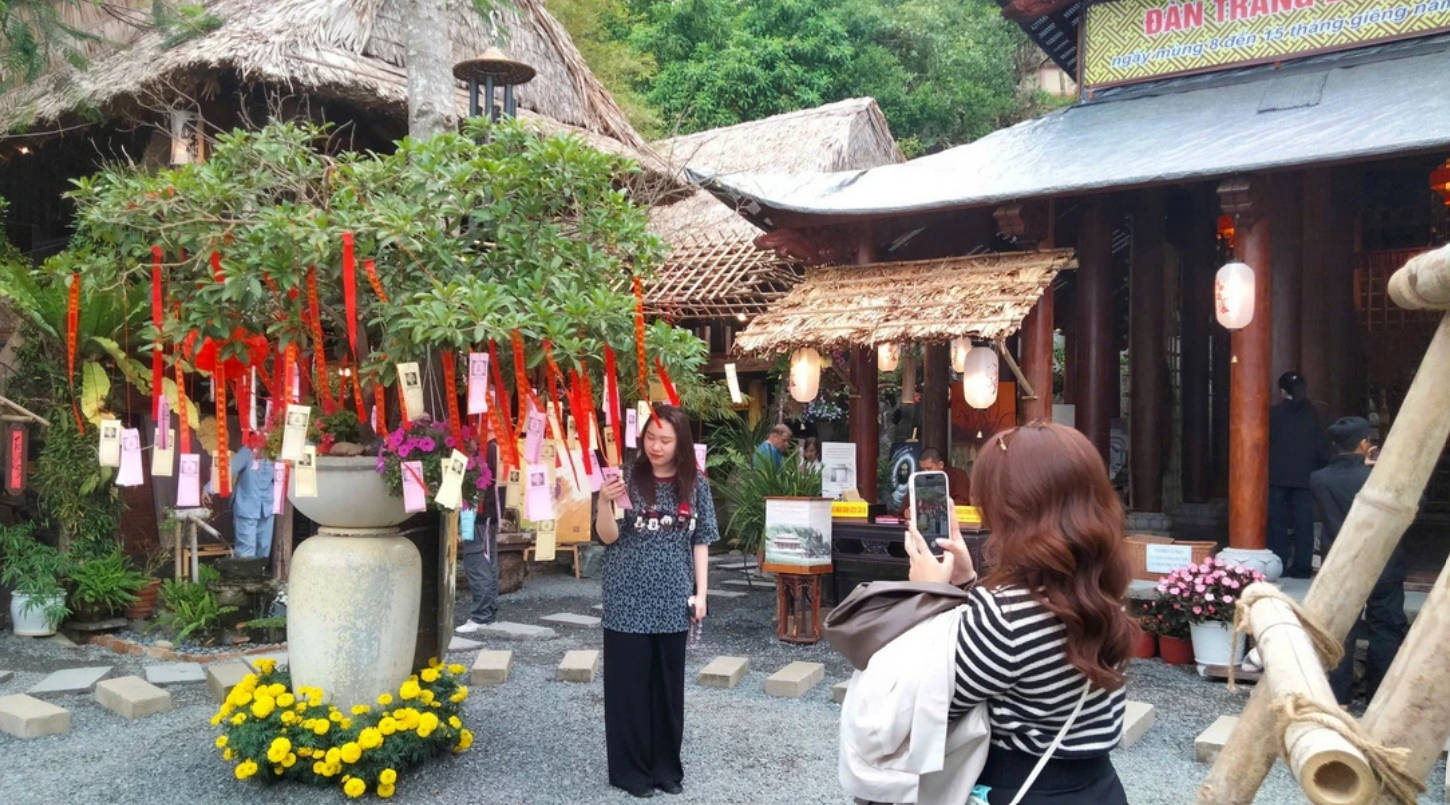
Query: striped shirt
{"points": [[1011, 654]]}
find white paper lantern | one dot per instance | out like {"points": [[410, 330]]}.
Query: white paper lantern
{"points": [[888, 357], [960, 348], [1233, 295], [805, 374], [979, 377]]}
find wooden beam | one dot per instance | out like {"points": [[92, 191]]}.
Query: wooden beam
{"points": [[866, 401], [1148, 368], [1098, 369], [936, 398]]}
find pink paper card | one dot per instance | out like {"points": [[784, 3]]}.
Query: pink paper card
{"points": [[700, 451], [415, 497], [610, 474], [534, 436], [596, 478], [538, 496], [163, 418], [631, 429], [130, 473], [188, 484], [477, 382], [279, 486]]}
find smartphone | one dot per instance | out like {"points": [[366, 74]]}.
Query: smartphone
{"points": [[931, 507]]}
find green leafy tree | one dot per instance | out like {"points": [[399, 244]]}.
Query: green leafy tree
{"points": [[600, 29]]}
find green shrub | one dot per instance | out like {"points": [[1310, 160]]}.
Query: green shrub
{"points": [[190, 609], [34, 569], [104, 585]]}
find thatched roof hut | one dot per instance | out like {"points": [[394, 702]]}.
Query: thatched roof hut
{"points": [[348, 51], [984, 296], [714, 269]]}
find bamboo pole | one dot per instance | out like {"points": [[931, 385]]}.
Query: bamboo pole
{"points": [[1382, 511], [1329, 769]]}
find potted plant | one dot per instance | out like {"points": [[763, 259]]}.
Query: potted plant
{"points": [[103, 586], [191, 610], [265, 631], [1145, 642], [147, 595], [35, 573], [1206, 595]]}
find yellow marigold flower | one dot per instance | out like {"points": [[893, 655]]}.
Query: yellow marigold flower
{"points": [[388, 726], [239, 719], [388, 777], [227, 708], [289, 761], [216, 719], [286, 700], [429, 720], [319, 768], [409, 690], [265, 666], [429, 675], [433, 662], [355, 788], [262, 708], [456, 669], [370, 738], [245, 770], [320, 726], [385, 791], [459, 695], [289, 718], [424, 732], [425, 696], [455, 722], [346, 723], [465, 740], [227, 755], [335, 716], [303, 751], [249, 682], [333, 755], [385, 699], [276, 689], [351, 752], [221, 742], [239, 697], [361, 709]]}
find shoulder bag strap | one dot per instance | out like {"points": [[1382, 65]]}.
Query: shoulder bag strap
{"points": [[1056, 742]]}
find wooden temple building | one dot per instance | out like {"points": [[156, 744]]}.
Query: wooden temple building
{"points": [[1314, 150]]}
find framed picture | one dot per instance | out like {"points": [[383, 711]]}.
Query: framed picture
{"points": [[798, 532]]}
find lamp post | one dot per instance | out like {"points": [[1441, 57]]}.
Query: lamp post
{"points": [[485, 75]]}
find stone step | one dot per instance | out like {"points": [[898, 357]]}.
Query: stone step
{"points": [[505, 630], [580, 665], [724, 672], [757, 585], [132, 697], [1138, 718], [71, 680], [1210, 742], [463, 644], [570, 619], [27, 717], [221, 677], [6, 676], [491, 668], [725, 594], [176, 673], [838, 692], [794, 680]]}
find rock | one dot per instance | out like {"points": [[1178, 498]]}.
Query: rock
{"points": [[71, 680], [109, 625], [838, 692], [570, 619], [463, 644], [27, 717], [221, 677], [794, 680], [166, 644], [1138, 718], [505, 630], [178, 673], [578, 666], [491, 668], [132, 697], [6, 676], [1210, 742], [346, 450], [724, 672]]}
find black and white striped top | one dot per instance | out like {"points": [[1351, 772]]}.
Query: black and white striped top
{"points": [[1010, 654]]}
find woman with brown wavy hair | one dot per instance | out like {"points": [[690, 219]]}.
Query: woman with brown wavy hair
{"points": [[1044, 633]]}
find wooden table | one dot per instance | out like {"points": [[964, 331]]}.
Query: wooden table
{"points": [[798, 593]]}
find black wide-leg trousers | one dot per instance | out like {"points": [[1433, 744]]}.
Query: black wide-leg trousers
{"points": [[644, 708]]}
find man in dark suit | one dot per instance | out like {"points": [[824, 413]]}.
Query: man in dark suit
{"points": [[1296, 449]]}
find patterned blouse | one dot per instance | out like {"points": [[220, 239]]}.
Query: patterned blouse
{"points": [[649, 572]]}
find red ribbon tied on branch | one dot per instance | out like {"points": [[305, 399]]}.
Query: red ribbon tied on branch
{"points": [[502, 421], [349, 293], [611, 392], [158, 352], [669, 387]]}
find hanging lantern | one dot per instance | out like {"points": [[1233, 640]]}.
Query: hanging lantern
{"points": [[1226, 231], [186, 137], [1233, 295], [888, 357], [960, 348], [979, 377], [805, 374], [1440, 181], [483, 74]]}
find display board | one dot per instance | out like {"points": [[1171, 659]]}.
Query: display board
{"points": [[1136, 40]]}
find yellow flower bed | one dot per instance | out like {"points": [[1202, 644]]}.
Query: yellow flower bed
{"points": [[267, 727]]}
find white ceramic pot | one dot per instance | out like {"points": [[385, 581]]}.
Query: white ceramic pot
{"points": [[352, 621], [1265, 561], [350, 495], [27, 615], [1213, 644]]}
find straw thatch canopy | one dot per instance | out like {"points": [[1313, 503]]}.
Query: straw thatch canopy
{"points": [[714, 268], [345, 50], [985, 296]]}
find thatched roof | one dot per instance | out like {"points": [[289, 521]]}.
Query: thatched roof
{"points": [[714, 268], [986, 296], [348, 50]]}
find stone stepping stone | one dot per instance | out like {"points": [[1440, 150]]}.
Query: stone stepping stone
{"points": [[176, 673], [71, 680], [794, 680], [280, 657], [132, 697], [463, 644], [504, 630], [578, 666], [724, 594], [838, 692], [1210, 742], [6, 676], [570, 619], [491, 668], [724, 672], [27, 717], [221, 677], [598, 607], [1138, 718], [757, 585]]}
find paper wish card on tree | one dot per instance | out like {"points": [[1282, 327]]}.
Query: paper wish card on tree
{"points": [[450, 490], [534, 436], [538, 494], [110, 447], [279, 486], [294, 433], [477, 383], [732, 380], [631, 429], [130, 472], [188, 484], [163, 453], [306, 470], [410, 378], [415, 494]]}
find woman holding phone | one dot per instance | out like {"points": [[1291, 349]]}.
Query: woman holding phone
{"points": [[656, 560], [1044, 637]]}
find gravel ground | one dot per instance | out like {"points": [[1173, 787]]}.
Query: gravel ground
{"points": [[541, 742]]}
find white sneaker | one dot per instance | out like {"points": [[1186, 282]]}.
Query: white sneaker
{"points": [[469, 627]]}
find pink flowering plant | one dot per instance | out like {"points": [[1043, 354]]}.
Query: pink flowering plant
{"points": [[1206, 592], [1161, 618], [431, 443]]}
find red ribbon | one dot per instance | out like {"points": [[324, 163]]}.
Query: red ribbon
{"points": [[552, 376], [639, 339], [72, 330], [216, 267], [586, 430], [181, 407], [583, 406], [502, 421], [611, 391], [289, 360], [669, 387], [357, 396], [319, 346], [371, 269], [523, 387], [349, 291], [403, 407], [158, 353], [380, 410], [450, 389], [223, 454]]}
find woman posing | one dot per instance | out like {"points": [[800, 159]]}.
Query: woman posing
{"points": [[656, 559], [1047, 623]]}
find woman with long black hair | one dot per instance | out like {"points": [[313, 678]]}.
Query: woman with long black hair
{"points": [[656, 559]]}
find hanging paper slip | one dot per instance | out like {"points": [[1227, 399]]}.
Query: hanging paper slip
{"points": [[700, 451], [596, 478], [415, 495], [188, 485], [631, 429], [732, 379], [467, 521], [642, 416], [307, 473], [576, 466], [477, 382], [294, 434], [163, 418], [534, 436], [450, 491], [538, 494], [611, 448], [513, 494], [110, 443], [545, 541], [130, 474], [163, 454], [411, 380], [279, 486]]}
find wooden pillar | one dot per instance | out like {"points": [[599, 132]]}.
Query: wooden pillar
{"points": [[866, 402], [1316, 220], [936, 398], [1288, 273], [1031, 225], [1097, 372], [1148, 370], [1195, 346], [1249, 381]]}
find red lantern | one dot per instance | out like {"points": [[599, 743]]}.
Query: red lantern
{"points": [[17, 448], [1440, 182], [1226, 230]]}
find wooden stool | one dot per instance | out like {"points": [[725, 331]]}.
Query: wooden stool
{"points": [[798, 592], [569, 548]]}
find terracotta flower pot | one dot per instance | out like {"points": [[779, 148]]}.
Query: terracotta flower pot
{"points": [[145, 604], [1175, 650], [1145, 645]]}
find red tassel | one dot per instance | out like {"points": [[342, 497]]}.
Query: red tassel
{"points": [[357, 397], [158, 353], [242, 387], [450, 388], [403, 407], [223, 454], [639, 339], [552, 376], [669, 387], [586, 424], [380, 410], [319, 347], [502, 421], [523, 388], [185, 427], [216, 267], [349, 291], [611, 391], [371, 269], [72, 325]]}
